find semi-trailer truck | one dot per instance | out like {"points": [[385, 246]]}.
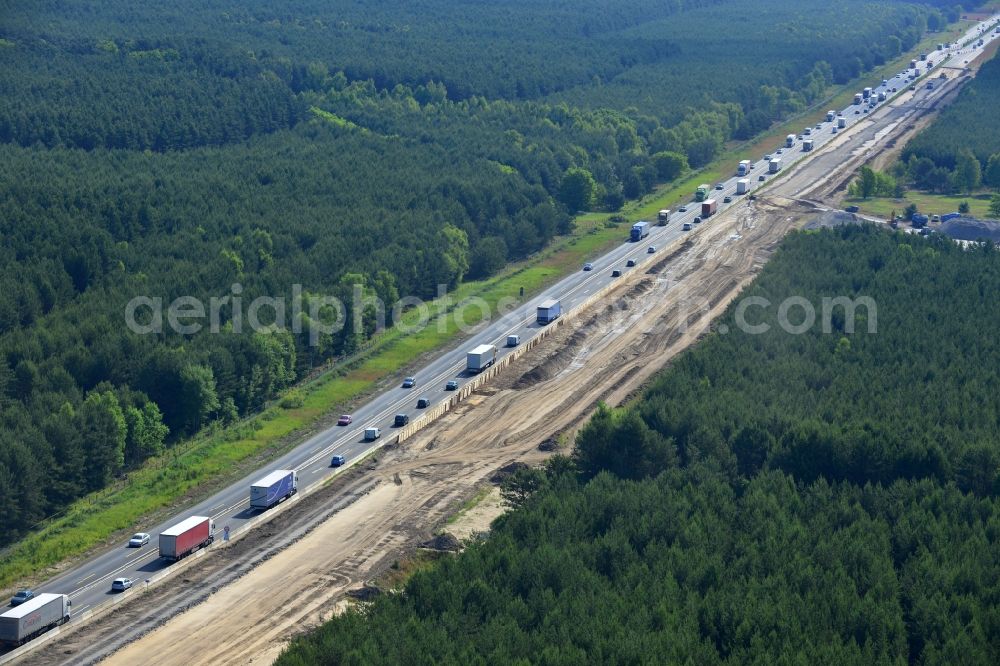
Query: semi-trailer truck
{"points": [[273, 488], [742, 186], [480, 358], [789, 141], [841, 122], [663, 217], [881, 96], [744, 168], [913, 64], [35, 616], [866, 93], [187, 536], [708, 208], [857, 98], [548, 311], [774, 166], [830, 115], [807, 145], [702, 192], [641, 229]]}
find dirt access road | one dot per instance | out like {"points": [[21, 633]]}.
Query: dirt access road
{"points": [[242, 603]]}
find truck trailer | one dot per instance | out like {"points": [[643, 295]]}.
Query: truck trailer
{"points": [[702, 192], [866, 93], [273, 488], [744, 168], [187, 536], [789, 141], [830, 115], [708, 208], [841, 122], [742, 186], [663, 217], [35, 616], [548, 311], [774, 166], [641, 229], [857, 98], [480, 358], [807, 145]]}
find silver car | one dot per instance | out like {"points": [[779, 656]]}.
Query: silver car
{"points": [[138, 540]]}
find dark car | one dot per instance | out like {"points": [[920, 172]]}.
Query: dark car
{"points": [[423, 403], [409, 382], [630, 263], [452, 385], [616, 273], [337, 461], [761, 177], [344, 420], [852, 209], [719, 186], [727, 200], [697, 220], [400, 420], [21, 596]]}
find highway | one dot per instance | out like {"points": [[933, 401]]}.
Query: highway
{"points": [[89, 583]]}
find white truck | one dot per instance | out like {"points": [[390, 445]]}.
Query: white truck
{"points": [[857, 98], [663, 217], [548, 311], [807, 145], [273, 488], [866, 93], [830, 115], [742, 186], [35, 616], [480, 358], [789, 141], [744, 168], [841, 122], [774, 166]]}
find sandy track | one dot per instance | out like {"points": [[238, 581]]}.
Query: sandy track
{"points": [[244, 603]]}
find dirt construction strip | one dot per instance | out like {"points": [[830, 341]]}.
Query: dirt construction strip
{"points": [[244, 601]]}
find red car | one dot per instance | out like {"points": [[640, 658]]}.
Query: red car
{"points": [[345, 419]]}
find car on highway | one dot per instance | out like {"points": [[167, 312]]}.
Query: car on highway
{"points": [[893, 90], [833, 130], [21, 596], [651, 249], [856, 112], [683, 209], [719, 186], [616, 273], [819, 125], [762, 177], [588, 267], [345, 420], [423, 403], [138, 540], [687, 226], [121, 584], [409, 382], [778, 151], [338, 461], [767, 158], [452, 385], [630, 263], [727, 199], [866, 110], [400, 420], [911, 88], [697, 220]]}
